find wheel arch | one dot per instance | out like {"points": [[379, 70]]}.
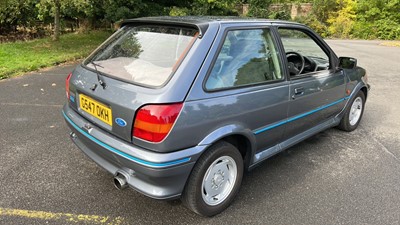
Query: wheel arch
{"points": [[361, 86], [243, 139], [243, 145], [365, 90]]}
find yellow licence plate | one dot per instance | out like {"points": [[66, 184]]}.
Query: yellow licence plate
{"points": [[96, 109]]}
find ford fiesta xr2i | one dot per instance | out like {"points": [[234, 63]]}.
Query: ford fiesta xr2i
{"points": [[180, 107]]}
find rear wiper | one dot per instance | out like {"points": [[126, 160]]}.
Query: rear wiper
{"points": [[99, 77]]}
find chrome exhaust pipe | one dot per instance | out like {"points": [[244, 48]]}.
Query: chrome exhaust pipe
{"points": [[120, 181]]}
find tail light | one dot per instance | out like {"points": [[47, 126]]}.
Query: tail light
{"points": [[154, 122], [67, 85]]}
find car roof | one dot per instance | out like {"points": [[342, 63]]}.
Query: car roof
{"points": [[200, 22]]}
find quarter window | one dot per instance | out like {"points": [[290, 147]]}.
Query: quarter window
{"points": [[247, 57]]}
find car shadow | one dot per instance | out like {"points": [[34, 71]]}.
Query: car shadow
{"points": [[284, 171]]}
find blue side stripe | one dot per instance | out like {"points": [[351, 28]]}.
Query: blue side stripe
{"points": [[300, 116], [123, 154]]}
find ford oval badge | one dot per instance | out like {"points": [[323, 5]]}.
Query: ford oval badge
{"points": [[120, 122]]}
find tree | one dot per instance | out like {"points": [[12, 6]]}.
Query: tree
{"points": [[214, 7], [57, 26], [341, 18], [116, 10], [378, 19], [51, 8], [323, 8], [341, 22], [61, 10], [15, 13]]}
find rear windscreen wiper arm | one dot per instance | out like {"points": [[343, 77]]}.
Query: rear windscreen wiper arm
{"points": [[99, 77]]}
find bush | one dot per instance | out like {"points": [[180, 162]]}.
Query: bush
{"points": [[282, 14], [341, 27], [364, 30], [387, 29], [259, 8], [312, 21], [176, 11], [380, 29]]}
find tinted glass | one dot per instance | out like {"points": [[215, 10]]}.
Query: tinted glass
{"points": [[246, 57], [145, 55]]}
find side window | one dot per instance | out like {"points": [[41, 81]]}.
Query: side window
{"points": [[304, 55], [246, 57]]}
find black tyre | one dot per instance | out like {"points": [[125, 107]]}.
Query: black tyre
{"points": [[353, 114], [215, 180]]}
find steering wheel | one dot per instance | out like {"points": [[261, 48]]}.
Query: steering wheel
{"points": [[296, 67]]}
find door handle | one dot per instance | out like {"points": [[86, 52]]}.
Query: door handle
{"points": [[298, 91]]}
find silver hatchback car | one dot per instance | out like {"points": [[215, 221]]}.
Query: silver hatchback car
{"points": [[182, 106]]}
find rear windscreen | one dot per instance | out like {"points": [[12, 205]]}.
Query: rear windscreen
{"points": [[146, 55]]}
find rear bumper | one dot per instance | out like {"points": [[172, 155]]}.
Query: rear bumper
{"points": [[157, 175]]}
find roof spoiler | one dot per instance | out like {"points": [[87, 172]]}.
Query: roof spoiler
{"points": [[200, 26]]}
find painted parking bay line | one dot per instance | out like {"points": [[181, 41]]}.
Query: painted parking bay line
{"points": [[67, 217]]}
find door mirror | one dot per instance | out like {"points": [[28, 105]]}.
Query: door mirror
{"points": [[347, 62]]}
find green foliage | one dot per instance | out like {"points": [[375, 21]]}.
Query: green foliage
{"points": [[341, 22], [312, 21], [259, 8], [19, 57], [16, 12], [176, 11], [336, 18], [378, 19], [214, 7], [282, 14], [116, 10], [70, 8], [381, 29], [387, 29], [323, 8], [366, 19]]}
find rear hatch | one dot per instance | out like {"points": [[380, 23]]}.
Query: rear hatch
{"points": [[131, 69]]}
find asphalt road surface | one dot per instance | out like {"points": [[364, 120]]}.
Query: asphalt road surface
{"points": [[331, 178]]}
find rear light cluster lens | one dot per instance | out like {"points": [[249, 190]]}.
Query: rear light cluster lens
{"points": [[154, 122], [67, 85]]}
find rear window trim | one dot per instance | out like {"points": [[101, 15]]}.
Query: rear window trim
{"points": [[189, 47]]}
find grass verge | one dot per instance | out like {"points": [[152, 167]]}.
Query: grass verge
{"points": [[19, 57]]}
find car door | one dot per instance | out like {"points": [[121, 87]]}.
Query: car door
{"points": [[317, 88]]}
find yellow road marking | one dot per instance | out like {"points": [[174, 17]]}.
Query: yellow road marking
{"points": [[69, 217]]}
